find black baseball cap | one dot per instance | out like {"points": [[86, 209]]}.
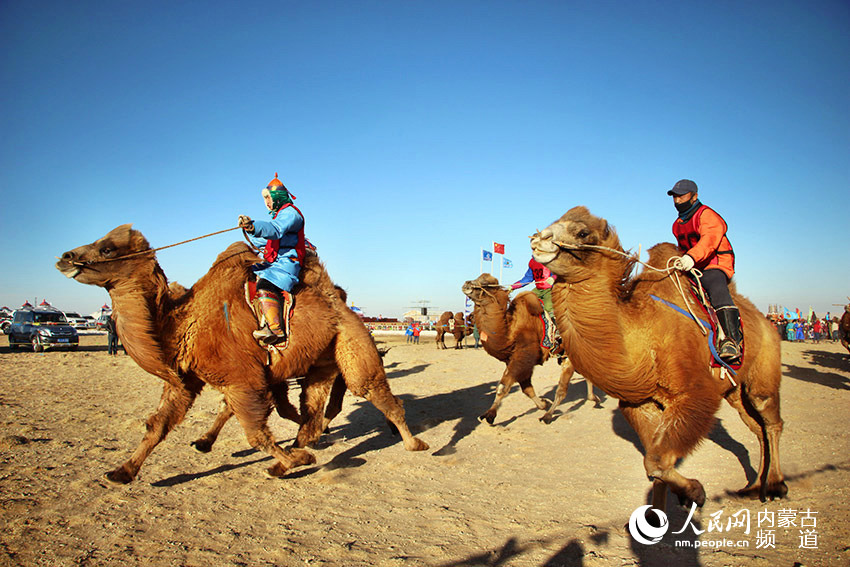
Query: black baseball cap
{"points": [[683, 186]]}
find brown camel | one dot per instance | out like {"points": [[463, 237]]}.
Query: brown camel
{"points": [[459, 329], [446, 325], [204, 337], [844, 328], [512, 331], [654, 359]]}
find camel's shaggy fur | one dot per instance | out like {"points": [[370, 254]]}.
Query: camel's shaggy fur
{"points": [[512, 332], [203, 336], [654, 359], [451, 324]]}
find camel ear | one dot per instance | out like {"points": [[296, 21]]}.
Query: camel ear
{"points": [[606, 231]]}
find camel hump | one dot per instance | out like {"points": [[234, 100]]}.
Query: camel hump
{"points": [[660, 253], [530, 301]]}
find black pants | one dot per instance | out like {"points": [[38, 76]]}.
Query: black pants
{"points": [[716, 284]]}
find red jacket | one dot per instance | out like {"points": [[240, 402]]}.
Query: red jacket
{"points": [[703, 238]]}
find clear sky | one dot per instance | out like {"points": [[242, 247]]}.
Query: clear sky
{"points": [[414, 134]]}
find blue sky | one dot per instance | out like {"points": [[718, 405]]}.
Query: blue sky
{"points": [[414, 134]]}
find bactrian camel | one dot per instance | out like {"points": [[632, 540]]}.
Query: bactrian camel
{"points": [[452, 324], [654, 359], [513, 332], [204, 337]]}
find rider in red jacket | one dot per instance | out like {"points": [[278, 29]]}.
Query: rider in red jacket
{"points": [[701, 235]]}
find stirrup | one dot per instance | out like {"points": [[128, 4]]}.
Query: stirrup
{"points": [[729, 352], [266, 336]]}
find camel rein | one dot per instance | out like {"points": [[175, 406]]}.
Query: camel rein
{"points": [[151, 250], [671, 268]]}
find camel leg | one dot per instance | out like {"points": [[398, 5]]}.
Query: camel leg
{"points": [[334, 402], [173, 405], [363, 372], [761, 414], [502, 390], [314, 393], [252, 409], [205, 442], [567, 371], [653, 427], [285, 409]]}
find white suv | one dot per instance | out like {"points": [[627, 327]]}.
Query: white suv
{"points": [[75, 319]]}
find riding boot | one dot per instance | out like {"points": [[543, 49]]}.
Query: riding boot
{"points": [[272, 332], [730, 347]]}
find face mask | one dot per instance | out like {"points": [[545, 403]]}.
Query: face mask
{"points": [[682, 207]]}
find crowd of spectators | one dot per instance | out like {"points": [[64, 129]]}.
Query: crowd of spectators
{"points": [[800, 330]]}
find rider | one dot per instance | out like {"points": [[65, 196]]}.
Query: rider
{"points": [[283, 243], [543, 282], [701, 235]]}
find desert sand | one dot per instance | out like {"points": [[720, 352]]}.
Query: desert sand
{"points": [[520, 493]]}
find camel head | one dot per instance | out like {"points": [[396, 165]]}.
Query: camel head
{"points": [[100, 263], [485, 288], [569, 246]]}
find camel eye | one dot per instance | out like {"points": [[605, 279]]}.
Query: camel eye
{"points": [[107, 251], [583, 233]]}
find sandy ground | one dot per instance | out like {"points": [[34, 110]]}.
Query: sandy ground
{"points": [[518, 493]]}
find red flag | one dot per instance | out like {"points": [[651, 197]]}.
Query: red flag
{"points": [[498, 248]]}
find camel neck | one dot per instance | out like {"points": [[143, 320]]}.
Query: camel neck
{"points": [[591, 321], [492, 322], [138, 308]]}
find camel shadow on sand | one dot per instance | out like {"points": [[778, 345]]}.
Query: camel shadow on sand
{"points": [[813, 376]]}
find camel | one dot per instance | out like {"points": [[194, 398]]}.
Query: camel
{"points": [[844, 328], [204, 337], [460, 329], [654, 359], [512, 332], [450, 323]]}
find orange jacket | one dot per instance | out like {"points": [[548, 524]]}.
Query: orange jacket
{"points": [[703, 238]]}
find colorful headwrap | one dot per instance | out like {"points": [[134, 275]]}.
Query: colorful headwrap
{"points": [[280, 197], [279, 194]]}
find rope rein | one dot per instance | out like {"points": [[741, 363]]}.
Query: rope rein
{"points": [[151, 250], [671, 268]]}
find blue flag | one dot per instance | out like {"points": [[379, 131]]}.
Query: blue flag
{"points": [[488, 256], [507, 263]]}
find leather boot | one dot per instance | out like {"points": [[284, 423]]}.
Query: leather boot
{"points": [[730, 347], [272, 332]]}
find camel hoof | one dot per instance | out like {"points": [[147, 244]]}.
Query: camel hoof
{"points": [[301, 457], [694, 494], [488, 417], [416, 444], [277, 470], [120, 475], [547, 419], [760, 492], [202, 445]]}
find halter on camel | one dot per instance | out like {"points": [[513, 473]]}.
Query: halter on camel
{"points": [[249, 289], [674, 265]]}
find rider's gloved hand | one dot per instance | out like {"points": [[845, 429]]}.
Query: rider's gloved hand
{"points": [[685, 263], [246, 224]]}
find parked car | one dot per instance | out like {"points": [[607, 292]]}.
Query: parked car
{"points": [[91, 323], [75, 319], [41, 328], [5, 323]]}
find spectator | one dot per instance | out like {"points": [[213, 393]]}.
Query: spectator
{"points": [[111, 336]]}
